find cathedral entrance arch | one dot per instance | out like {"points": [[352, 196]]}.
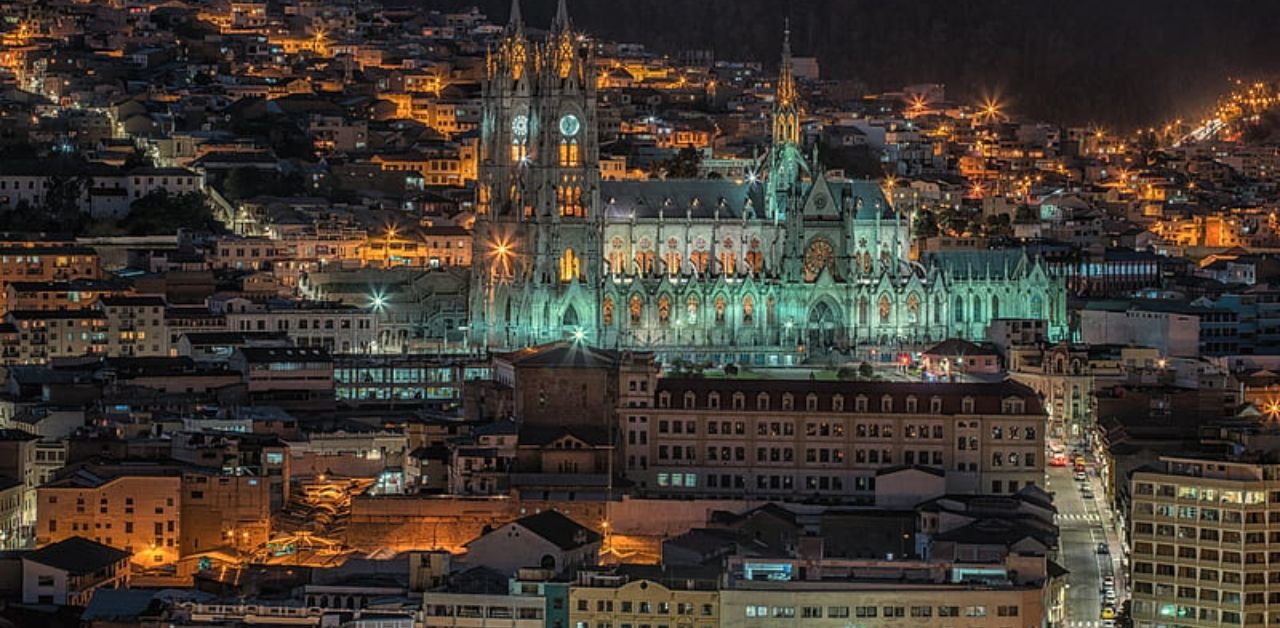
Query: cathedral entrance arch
{"points": [[824, 326], [570, 318]]}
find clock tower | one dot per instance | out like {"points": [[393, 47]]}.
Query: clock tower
{"points": [[536, 246]]}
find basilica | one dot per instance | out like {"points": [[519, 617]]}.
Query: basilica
{"points": [[784, 260]]}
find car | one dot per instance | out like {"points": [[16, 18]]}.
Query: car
{"points": [[1080, 476], [1108, 623], [1108, 612], [1110, 596], [1086, 493], [1109, 581], [1103, 549]]}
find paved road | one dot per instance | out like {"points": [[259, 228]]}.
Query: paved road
{"points": [[1081, 529]]}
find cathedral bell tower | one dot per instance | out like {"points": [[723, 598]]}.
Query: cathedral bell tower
{"points": [[785, 186], [536, 248]]}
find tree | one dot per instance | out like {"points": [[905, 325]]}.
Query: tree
{"points": [[866, 371], [162, 213], [137, 159], [62, 201], [926, 224], [684, 164]]}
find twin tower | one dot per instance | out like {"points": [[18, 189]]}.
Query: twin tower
{"points": [[537, 243]]}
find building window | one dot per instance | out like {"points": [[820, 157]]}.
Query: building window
{"points": [[886, 404], [788, 401], [811, 402], [762, 401]]}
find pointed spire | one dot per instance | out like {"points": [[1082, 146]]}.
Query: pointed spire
{"points": [[516, 23], [786, 114], [561, 21], [786, 40]]}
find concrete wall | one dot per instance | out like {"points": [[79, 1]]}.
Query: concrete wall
{"points": [[425, 522]]}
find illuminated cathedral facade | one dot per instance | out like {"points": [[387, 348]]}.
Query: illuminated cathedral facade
{"points": [[786, 259]]}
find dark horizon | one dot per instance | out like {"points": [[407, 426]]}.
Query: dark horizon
{"points": [[1081, 62]]}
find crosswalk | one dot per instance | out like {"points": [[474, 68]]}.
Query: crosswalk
{"points": [[1080, 516]]}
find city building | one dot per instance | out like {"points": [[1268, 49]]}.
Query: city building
{"points": [[831, 441], [68, 572], [695, 267], [1200, 535]]}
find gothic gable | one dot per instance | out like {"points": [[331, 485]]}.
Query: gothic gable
{"points": [[820, 203]]}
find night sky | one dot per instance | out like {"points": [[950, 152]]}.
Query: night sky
{"points": [[1117, 63]]}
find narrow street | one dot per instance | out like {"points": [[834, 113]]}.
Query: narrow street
{"points": [[1083, 525]]}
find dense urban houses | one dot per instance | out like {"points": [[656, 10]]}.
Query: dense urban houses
{"points": [[562, 314]]}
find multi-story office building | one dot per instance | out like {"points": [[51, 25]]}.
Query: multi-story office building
{"points": [[830, 440], [1202, 530]]}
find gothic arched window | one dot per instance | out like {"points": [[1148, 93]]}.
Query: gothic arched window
{"points": [[721, 304], [699, 259], [728, 263], [995, 307], [637, 310], [959, 309], [755, 262], [569, 199], [691, 308], [748, 310], [664, 309], [977, 309], [886, 309], [1037, 306], [608, 311], [671, 259], [569, 155], [913, 308], [570, 267], [864, 311], [644, 260]]}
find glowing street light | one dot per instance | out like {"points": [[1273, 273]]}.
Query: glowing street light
{"points": [[579, 334]]}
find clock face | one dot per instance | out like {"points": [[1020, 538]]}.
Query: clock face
{"points": [[520, 126], [818, 256], [569, 125]]}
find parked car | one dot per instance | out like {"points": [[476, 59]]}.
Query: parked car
{"points": [[1103, 549]]}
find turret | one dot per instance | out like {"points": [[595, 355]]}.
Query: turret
{"points": [[786, 105]]}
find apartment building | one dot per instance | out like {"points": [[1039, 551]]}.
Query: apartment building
{"points": [[639, 595], [842, 592], [334, 327], [77, 294], [48, 263], [1202, 531], [136, 325], [136, 509], [36, 337], [829, 440]]}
